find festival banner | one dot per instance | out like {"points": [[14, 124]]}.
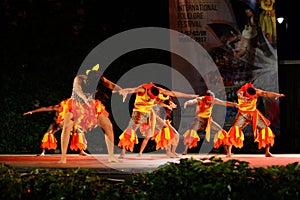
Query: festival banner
{"points": [[230, 42]]}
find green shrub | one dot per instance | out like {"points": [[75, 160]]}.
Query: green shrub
{"points": [[189, 179]]}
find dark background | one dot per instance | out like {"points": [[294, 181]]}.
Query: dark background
{"points": [[43, 43]]}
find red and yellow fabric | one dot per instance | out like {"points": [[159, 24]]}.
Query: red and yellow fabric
{"points": [[236, 137], [247, 105], [164, 136], [143, 101], [221, 138], [49, 141], [265, 137], [85, 116], [203, 110], [78, 142], [191, 137], [128, 139], [151, 124]]}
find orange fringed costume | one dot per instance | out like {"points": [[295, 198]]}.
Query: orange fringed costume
{"points": [[140, 116], [164, 136], [49, 141], [85, 116], [248, 113], [203, 121], [78, 141]]}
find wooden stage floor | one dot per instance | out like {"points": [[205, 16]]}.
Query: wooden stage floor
{"points": [[132, 163]]}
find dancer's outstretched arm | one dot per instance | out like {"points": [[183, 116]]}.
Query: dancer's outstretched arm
{"points": [[268, 94], [225, 103], [42, 109], [176, 93]]}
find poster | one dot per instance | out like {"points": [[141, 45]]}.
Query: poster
{"points": [[227, 43]]}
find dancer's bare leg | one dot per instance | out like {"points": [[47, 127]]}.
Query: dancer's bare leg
{"points": [[169, 152], [268, 153], [65, 136], [122, 153], [171, 149], [229, 147], [43, 153], [106, 125], [186, 149], [143, 146], [175, 144], [225, 149]]}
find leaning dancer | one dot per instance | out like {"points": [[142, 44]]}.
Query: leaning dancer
{"points": [[204, 121], [166, 137], [49, 140], [86, 112], [249, 114], [143, 114]]}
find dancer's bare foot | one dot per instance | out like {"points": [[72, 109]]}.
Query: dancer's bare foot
{"points": [[42, 154], [184, 153], [139, 155], [268, 154], [113, 159], [62, 161], [176, 154], [121, 156], [172, 155], [228, 155], [83, 153]]}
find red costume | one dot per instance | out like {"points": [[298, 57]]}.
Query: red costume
{"points": [[249, 114]]}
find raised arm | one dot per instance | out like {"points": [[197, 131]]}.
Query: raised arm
{"points": [[268, 94], [109, 84], [176, 94], [42, 109], [225, 103], [124, 92], [190, 102]]}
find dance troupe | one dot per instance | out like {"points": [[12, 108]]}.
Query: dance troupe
{"points": [[151, 113]]}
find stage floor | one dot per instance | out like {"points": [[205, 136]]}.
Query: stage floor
{"points": [[132, 163]]}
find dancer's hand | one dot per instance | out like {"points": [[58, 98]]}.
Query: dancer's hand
{"points": [[279, 95], [27, 113]]}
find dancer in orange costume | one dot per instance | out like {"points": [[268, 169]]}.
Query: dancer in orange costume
{"points": [[49, 140], [143, 114], [166, 137], [249, 114], [84, 111], [204, 121]]}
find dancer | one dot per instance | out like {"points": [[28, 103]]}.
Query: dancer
{"points": [[143, 114], [49, 140], [86, 112], [204, 121], [249, 114], [166, 137]]}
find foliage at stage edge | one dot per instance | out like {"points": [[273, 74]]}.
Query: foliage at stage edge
{"points": [[190, 179]]}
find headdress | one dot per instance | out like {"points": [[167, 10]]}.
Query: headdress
{"points": [[95, 68], [163, 97], [248, 90], [209, 95]]}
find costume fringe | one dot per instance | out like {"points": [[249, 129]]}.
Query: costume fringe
{"points": [[128, 139], [191, 137], [78, 142], [265, 137], [236, 137], [49, 141], [221, 138]]}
